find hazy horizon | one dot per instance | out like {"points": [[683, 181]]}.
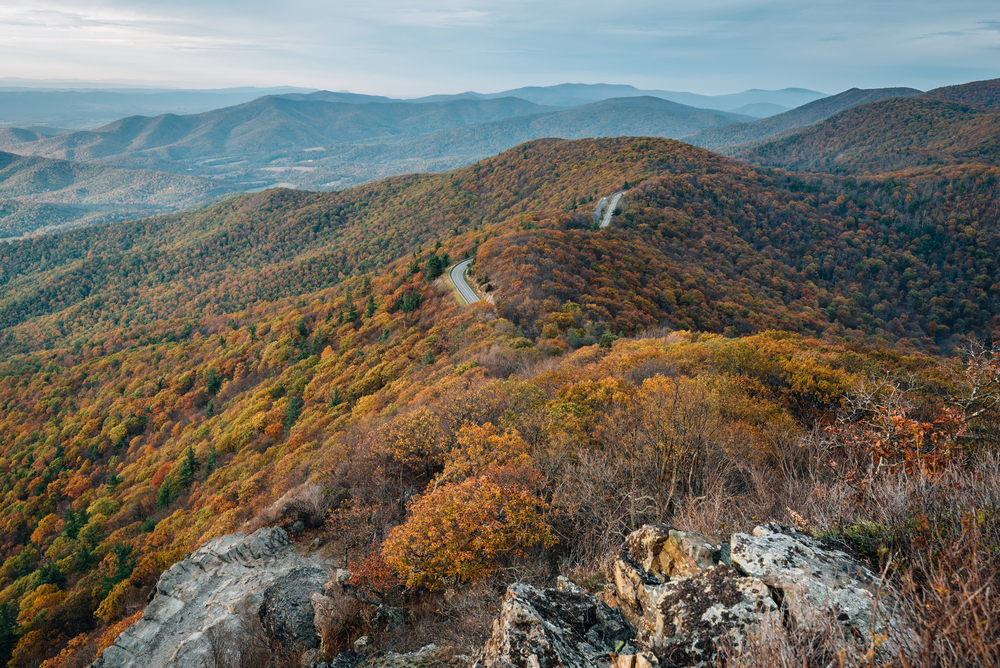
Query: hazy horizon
{"points": [[112, 85], [404, 48]]}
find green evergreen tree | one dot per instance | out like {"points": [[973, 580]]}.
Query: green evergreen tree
{"points": [[165, 495], [293, 410], [8, 632], [189, 466], [213, 381], [212, 459], [433, 268], [75, 520]]}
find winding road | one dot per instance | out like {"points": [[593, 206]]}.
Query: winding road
{"points": [[611, 209], [457, 275]]}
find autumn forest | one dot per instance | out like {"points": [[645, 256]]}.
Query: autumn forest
{"points": [[798, 328]]}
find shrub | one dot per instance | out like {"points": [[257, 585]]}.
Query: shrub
{"points": [[460, 533]]}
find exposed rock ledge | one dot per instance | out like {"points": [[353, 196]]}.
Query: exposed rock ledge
{"points": [[685, 596], [259, 574], [677, 599]]}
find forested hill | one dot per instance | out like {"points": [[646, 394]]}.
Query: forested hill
{"points": [[167, 380], [887, 136], [984, 94], [807, 254], [732, 138]]}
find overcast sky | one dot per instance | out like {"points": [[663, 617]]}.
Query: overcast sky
{"points": [[409, 47]]}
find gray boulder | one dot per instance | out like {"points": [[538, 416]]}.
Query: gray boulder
{"points": [[692, 616], [682, 599], [212, 595], [811, 577], [286, 610], [546, 628]]}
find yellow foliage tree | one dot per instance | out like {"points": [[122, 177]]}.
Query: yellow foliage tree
{"points": [[49, 526], [415, 439], [113, 605], [31, 645], [480, 447], [36, 606]]}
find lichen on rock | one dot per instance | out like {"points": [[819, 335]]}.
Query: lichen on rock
{"points": [[549, 628], [811, 577]]}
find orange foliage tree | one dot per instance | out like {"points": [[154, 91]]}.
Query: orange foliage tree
{"points": [[480, 447], [460, 533]]}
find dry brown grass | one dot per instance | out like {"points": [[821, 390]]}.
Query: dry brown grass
{"points": [[937, 538]]}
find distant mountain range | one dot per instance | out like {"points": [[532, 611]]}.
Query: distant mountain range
{"points": [[66, 110], [631, 116], [67, 106], [266, 125], [571, 95], [324, 140]]}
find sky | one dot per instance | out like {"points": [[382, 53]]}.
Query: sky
{"points": [[409, 48]]}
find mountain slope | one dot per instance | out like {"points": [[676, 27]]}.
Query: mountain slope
{"points": [[729, 139], [984, 94], [18, 218], [888, 135], [630, 116], [264, 125], [760, 109], [46, 193]]}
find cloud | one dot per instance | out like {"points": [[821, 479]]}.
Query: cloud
{"points": [[404, 47]]}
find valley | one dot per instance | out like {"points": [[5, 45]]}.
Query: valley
{"points": [[331, 141], [680, 345]]}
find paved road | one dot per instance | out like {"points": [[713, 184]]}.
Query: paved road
{"points": [[611, 209], [457, 275]]}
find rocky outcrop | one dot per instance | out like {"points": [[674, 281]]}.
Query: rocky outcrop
{"points": [[682, 598], [809, 576], [678, 599], [208, 598], [565, 627], [685, 596]]}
